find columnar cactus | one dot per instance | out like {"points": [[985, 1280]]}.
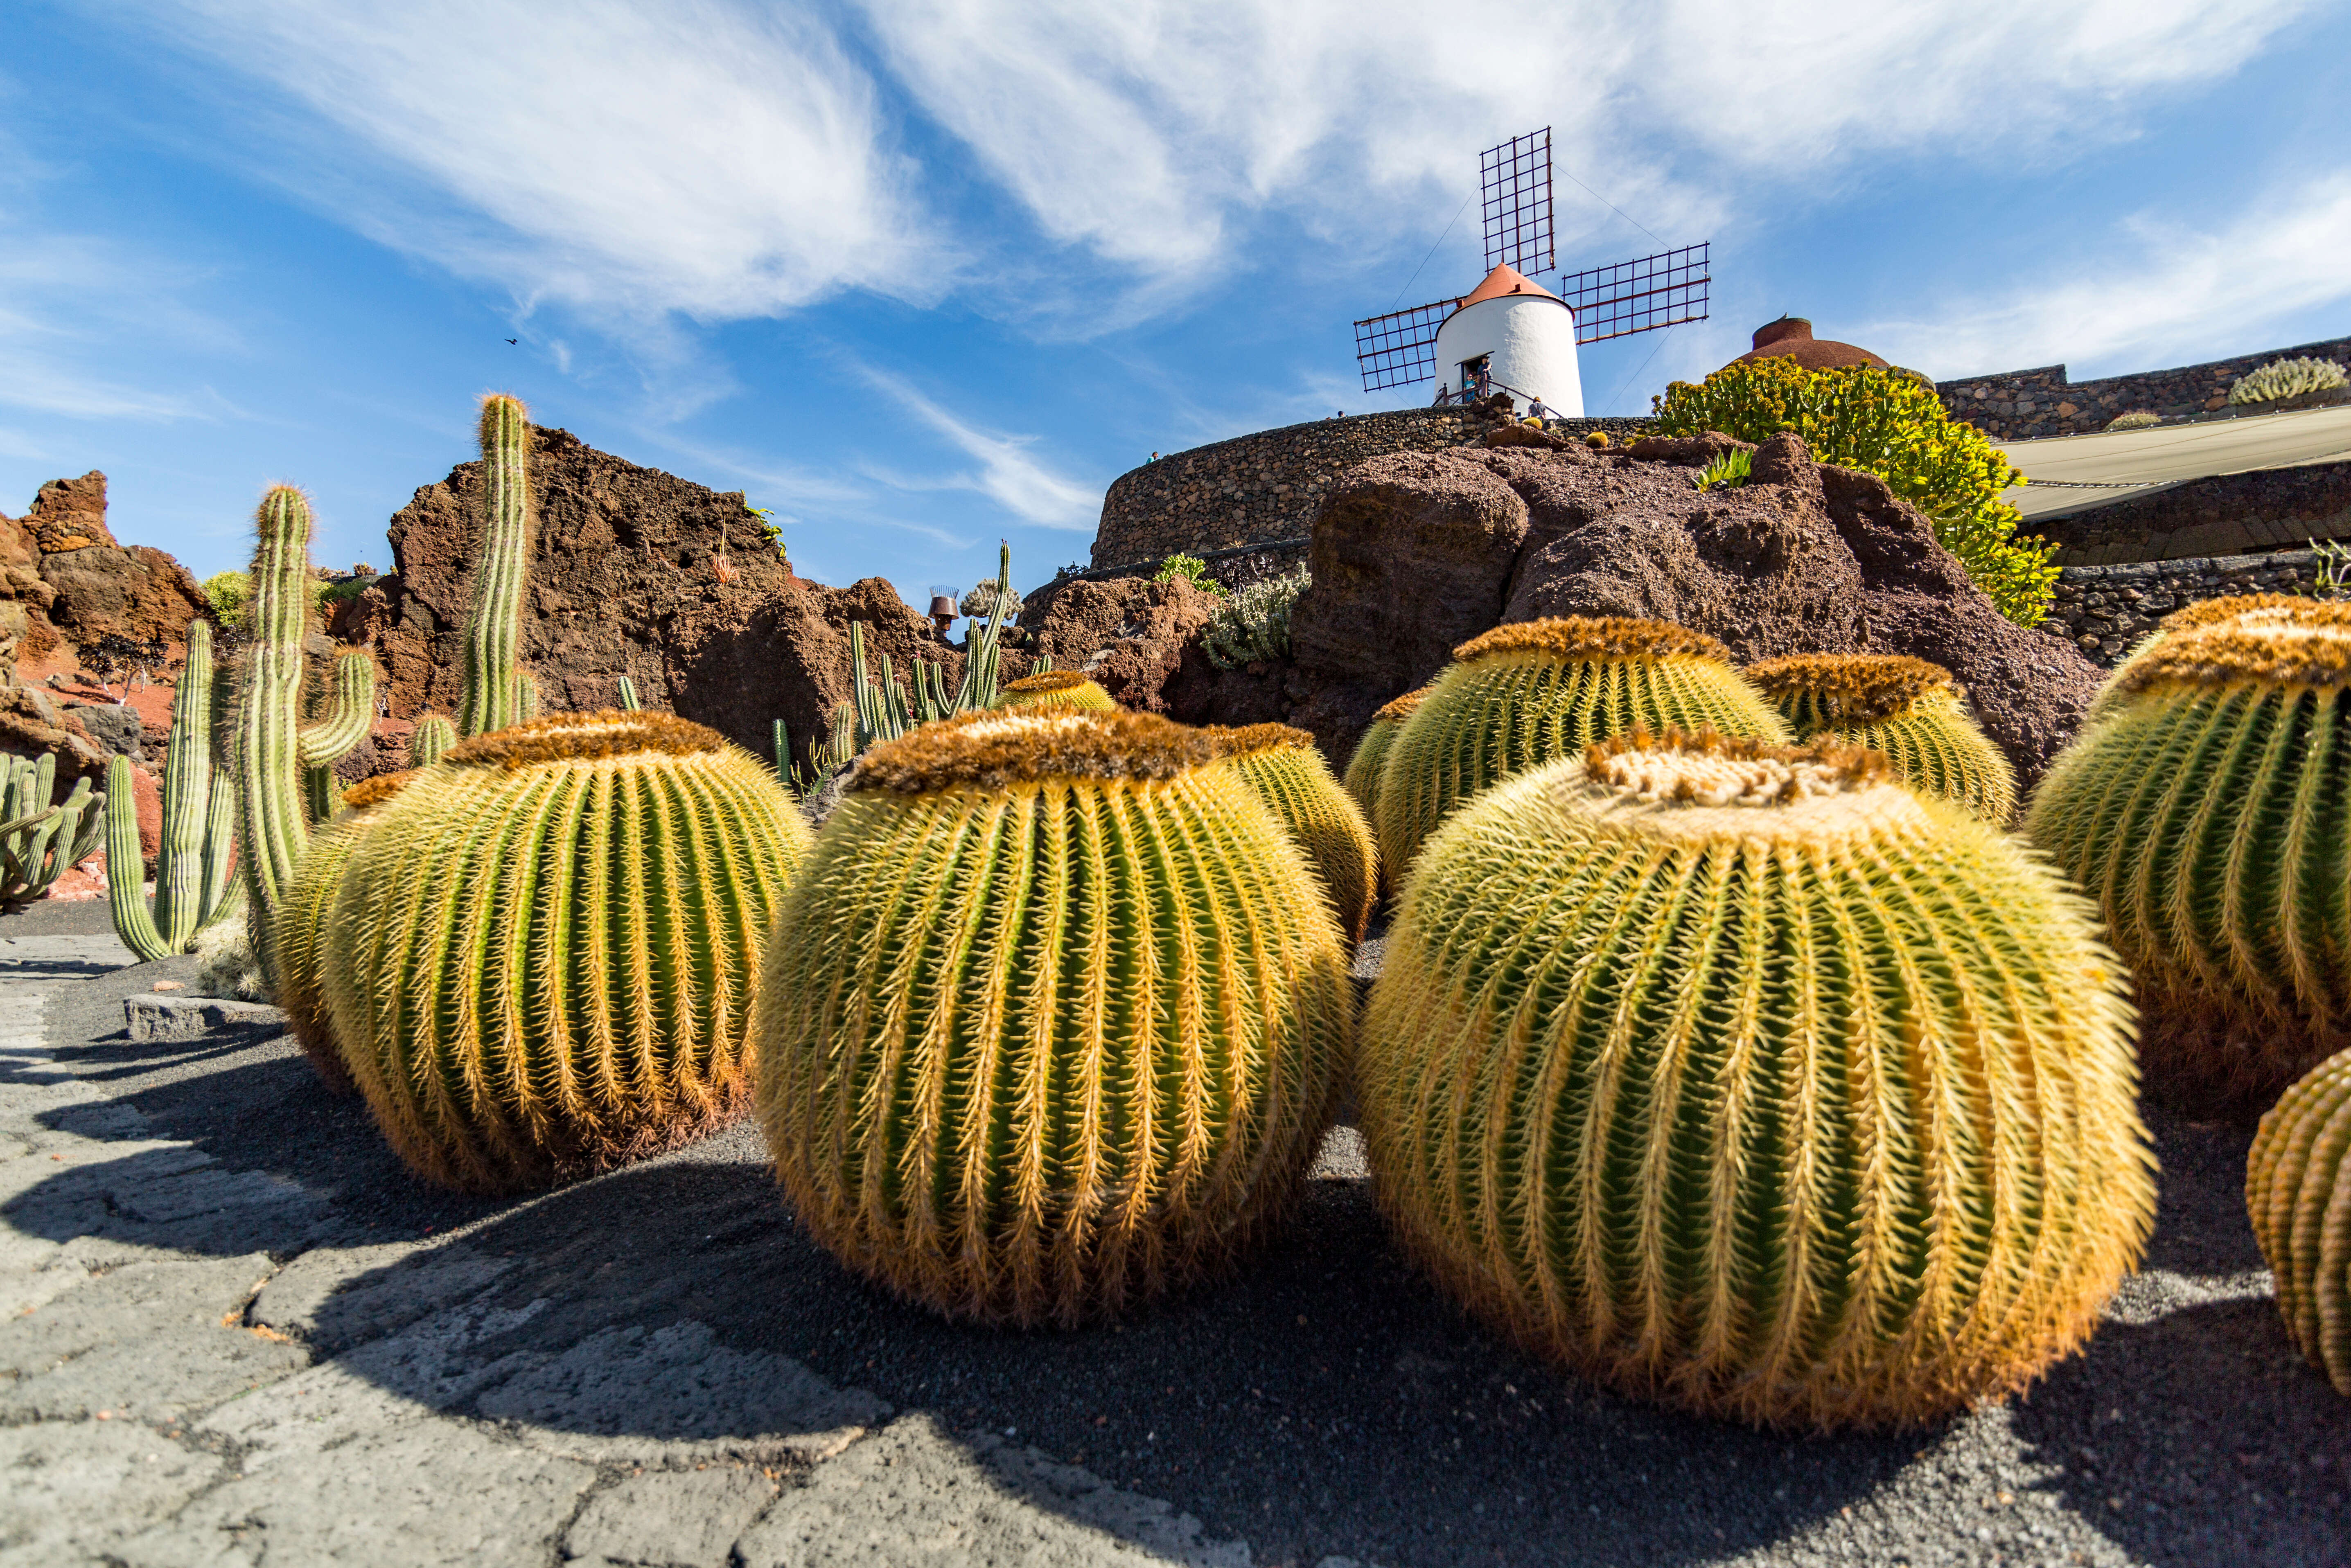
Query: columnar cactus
{"points": [[1363, 777], [433, 736], [1529, 692], [1052, 688], [2207, 811], [629, 703], [1907, 708], [1053, 1020], [496, 692], [1742, 1078], [1285, 771], [272, 748], [39, 839], [543, 951], [192, 888], [300, 929], [2298, 1192]]}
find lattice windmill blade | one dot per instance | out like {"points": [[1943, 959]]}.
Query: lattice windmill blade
{"points": [[1662, 290], [1514, 186], [1399, 348]]}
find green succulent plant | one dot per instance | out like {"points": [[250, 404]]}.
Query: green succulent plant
{"points": [[543, 951], [1254, 624], [41, 836], [1052, 1022], [1729, 472], [433, 737], [1741, 1078], [1526, 693], [2205, 806], [2287, 378], [193, 889], [300, 929], [1907, 708], [1054, 689], [1285, 771], [2298, 1193]]}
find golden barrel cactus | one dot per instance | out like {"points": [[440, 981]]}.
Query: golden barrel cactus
{"points": [[1743, 1078], [1051, 688], [543, 952], [1287, 773], [1052, 1022], [2298, 1193], [2208, 810], [1907, 708], [1362, 776], [300, 930], [1532, 691]]}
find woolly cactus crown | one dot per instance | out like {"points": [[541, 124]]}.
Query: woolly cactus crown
{"points": [[2306, 643], [584, 737], [1248, 740], [1400, 708], [378, 789], [1000, 747], [1048, 680], [1851, 688], [1591, 639]]}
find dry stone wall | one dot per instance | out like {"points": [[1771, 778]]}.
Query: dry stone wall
{"points": [[2226, 515], [2021, 405], [2105, 610]]}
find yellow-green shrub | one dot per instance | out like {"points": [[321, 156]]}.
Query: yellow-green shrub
{"points": [[1886, 424]]}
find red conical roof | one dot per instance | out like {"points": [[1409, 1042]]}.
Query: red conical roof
{"points": [[1505, 280]]}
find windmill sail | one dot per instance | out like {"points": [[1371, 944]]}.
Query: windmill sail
{"points": [[1662, 290], [1514, 186]]}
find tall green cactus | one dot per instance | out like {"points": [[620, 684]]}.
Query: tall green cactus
{"points": [[1051, 688], [433, 736], [271, 747], [629, 703], [39, 839], [496, 692], [882, 709], [2207, 811], [1053, 1018], [543, 951], [1743, 1078], [193, 887], [1286, 772], [1907, 708], [2298, 1194], [1532, 692]]}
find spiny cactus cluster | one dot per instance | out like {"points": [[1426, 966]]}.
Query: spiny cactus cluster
{"points": [[192, 884], [2298, 1192], [1054, 689], [541, 956], [1052, 1022], [40, 836], [1288, 775], [2287, 378], [1907, 708], [2202, 807], [1741, 1078], [1526, 693], [1254, 623], [1362, 775]]}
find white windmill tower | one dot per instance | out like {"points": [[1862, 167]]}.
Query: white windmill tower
{"points": [[1511, 334]]}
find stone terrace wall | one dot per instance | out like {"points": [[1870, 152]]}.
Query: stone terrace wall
{"points": [[2106, 610], [2018, 405], [1256, 488], [2221, 515]]}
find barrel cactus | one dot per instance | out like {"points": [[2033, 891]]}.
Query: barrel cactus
{"points": [[1741, 1078], [1288, 775], [1529, 692], [1050, 689], [301, 922], [1363, 777], [1053, 1020], [2298, 1191], [1907, 708], [2207, 810], [543, 952]]}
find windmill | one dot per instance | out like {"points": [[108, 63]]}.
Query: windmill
{"points": [[1509, 334]]}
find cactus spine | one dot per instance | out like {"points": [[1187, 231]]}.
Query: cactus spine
{"points": [[1742, 1078], [2298, 1193], [2207, 813], [1053, 1020], [543, 952], [495, 691], [1288, 775], [301, 928], [37, 839], [1907, 708], [1529, 692], [1052, 689], [272, 747], [192, 888], [433, 736]]}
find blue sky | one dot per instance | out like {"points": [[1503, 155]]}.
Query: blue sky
{"points": [[924, 274]]}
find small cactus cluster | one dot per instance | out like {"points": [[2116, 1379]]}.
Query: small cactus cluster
{"points": [[1532, 692], [2205, 807], [1052, 1022], [541, 953], [1054, 689], [1741, 1078], [41, 836], [2287, 378], [2298, 1193], [1907, 708], [1288, 775]]}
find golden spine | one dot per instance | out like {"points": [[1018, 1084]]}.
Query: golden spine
{"points": [[1288, 776], [1907, 708], [299, 932], [1052, 688], [2298, 1194]]}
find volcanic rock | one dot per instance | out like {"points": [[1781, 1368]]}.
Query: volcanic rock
{"points": [[63, 577], [1129, 634], [1414, 553]]}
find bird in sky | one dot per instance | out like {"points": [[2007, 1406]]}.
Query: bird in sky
{"points": [[509, 339]]}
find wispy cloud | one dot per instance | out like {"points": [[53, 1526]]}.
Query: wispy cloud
{"points": [[65, 299], [2176, 293], [1008, 473]]}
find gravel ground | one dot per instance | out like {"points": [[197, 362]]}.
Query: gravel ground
{"points": [[574, 1358]]}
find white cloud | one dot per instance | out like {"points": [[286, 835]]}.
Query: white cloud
{"points": [[67, 301], [1008, 474], [635, 156], [2185, 294]]}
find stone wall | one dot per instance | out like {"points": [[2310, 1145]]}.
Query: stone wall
{"points": [[2104, 610], [1257, 488], [2019, 405], [2222, 516]]}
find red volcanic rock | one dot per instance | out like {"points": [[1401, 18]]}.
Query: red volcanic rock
{"points": [[69, 514], [63, 579], [1791, 338], [1128, 634]]}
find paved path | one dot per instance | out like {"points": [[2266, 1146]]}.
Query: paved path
{"points": [[2123, 463], [232, 1331]]}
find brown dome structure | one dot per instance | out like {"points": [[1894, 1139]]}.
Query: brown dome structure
{"points": [[1791, 338]]}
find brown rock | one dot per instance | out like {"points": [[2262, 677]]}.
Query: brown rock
{"points": [[69, 514], [1129, 634], [1686, 452], [140, 593], [31, 722]]}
